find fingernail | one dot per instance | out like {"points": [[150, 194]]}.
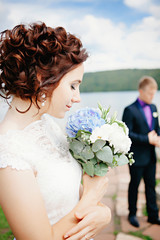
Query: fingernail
{"points": [[66, 236], [78, 214]]}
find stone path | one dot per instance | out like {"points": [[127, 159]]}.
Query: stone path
{"points": [[116, 198]]}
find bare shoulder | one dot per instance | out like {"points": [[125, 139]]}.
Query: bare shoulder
{"points": [[6, 125], [3, 128]]}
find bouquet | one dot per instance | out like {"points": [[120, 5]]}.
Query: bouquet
{"points": [[98, 141]]}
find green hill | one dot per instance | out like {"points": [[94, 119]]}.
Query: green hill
{"points": [[116, 80]]}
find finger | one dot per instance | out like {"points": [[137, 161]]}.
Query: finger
{"points": [[83, 213], [89, 236], [80, 226], [86, 238], [80, 234]]}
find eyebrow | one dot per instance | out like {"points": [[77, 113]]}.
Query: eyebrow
{"points": [[78, 80]]}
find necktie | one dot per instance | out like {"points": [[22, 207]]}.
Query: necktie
{"points": [[148, 114]]}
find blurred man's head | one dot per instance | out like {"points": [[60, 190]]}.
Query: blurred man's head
{"points": [[147, 88]]}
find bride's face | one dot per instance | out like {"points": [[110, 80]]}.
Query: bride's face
{"points": [[66, 93]]}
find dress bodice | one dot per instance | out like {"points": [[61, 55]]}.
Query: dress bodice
{"points": [[43, 148]]}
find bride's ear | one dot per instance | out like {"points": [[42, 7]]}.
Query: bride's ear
{"points": [[39, 77]]}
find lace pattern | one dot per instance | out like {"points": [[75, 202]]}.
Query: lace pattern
{"points": [[43, 148], [18, 146]]}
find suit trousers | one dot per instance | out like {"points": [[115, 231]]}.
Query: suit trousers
{"points": [[148, 173]]}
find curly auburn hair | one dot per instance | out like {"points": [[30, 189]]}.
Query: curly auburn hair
{"points": [[27, 52]]}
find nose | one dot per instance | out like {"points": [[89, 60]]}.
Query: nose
{"points": [[76, 98]]}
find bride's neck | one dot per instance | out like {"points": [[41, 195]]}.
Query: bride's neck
{"points": [[17, 120]]}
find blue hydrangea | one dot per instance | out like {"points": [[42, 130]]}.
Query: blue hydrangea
{"points": [[84, 119]]}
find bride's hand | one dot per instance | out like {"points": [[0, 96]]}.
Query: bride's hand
{"points": [[92, 220], [94, 188]]}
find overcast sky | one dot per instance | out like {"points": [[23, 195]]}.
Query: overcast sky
{"points": [[118, 34]]}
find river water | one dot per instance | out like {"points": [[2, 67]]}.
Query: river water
{"points": [[117, 100]]}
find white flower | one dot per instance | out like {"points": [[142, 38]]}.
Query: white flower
{"points": [[115, 135], [102, 132], [123, 123], [155, 114], [119, 140], [96, 134]]}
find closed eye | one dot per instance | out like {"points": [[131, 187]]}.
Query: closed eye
{"points": [[75, 84], [73, 87]]}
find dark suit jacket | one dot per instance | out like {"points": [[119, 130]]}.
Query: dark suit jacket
{"points": [[136, 121]]}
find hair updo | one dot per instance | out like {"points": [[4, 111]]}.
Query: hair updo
{"points": [[34, 58]]}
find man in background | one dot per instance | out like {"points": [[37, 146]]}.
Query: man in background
{"points": [[141, 117]]}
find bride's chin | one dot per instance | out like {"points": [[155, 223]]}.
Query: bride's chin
{"points": [[61, 117]]}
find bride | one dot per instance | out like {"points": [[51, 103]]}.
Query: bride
{"points": [[40, 183]]}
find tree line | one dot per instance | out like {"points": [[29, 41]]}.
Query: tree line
{"points": [[116, 80]]}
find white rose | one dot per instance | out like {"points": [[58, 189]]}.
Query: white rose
{"points": [[106, 132], [126, 128], [102, 132], [119, 140], [115, 135], [96, 134]]}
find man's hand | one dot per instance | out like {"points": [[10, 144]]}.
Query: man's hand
{"points": [[154, 139], [158, 141]]}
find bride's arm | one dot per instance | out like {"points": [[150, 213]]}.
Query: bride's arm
{"points": [[24, 208], [96, 216], [92, 215]]}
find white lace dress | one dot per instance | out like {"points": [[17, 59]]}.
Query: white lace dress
{"points": [[43, 148]]}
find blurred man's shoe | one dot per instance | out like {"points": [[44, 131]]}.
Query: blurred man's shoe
{"points": [[133, 220], [154, 220]]}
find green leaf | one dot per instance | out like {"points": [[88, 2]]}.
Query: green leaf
{"points": [[105, 154], [100, 106], [100, 169], [93, 160], [114, 163], [121, 160], [98, 144], [81, 140], [76, 146], [78, 157], [87, 153], [113, 118], [104, 112], [121, 124], [89, 168], [80, 132]]}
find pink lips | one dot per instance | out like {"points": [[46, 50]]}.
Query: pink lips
{"points": [[68, 107]]}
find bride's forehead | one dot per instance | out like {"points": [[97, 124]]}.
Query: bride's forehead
{"points": [[74, 74]]}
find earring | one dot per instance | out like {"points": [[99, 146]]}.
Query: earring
{"points": [[3, 85], [43, 99]]}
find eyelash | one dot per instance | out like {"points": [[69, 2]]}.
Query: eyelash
{"points": [[73, 87]]}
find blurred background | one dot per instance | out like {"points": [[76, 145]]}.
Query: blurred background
{"points": [[123, 41], [121, 36]]}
